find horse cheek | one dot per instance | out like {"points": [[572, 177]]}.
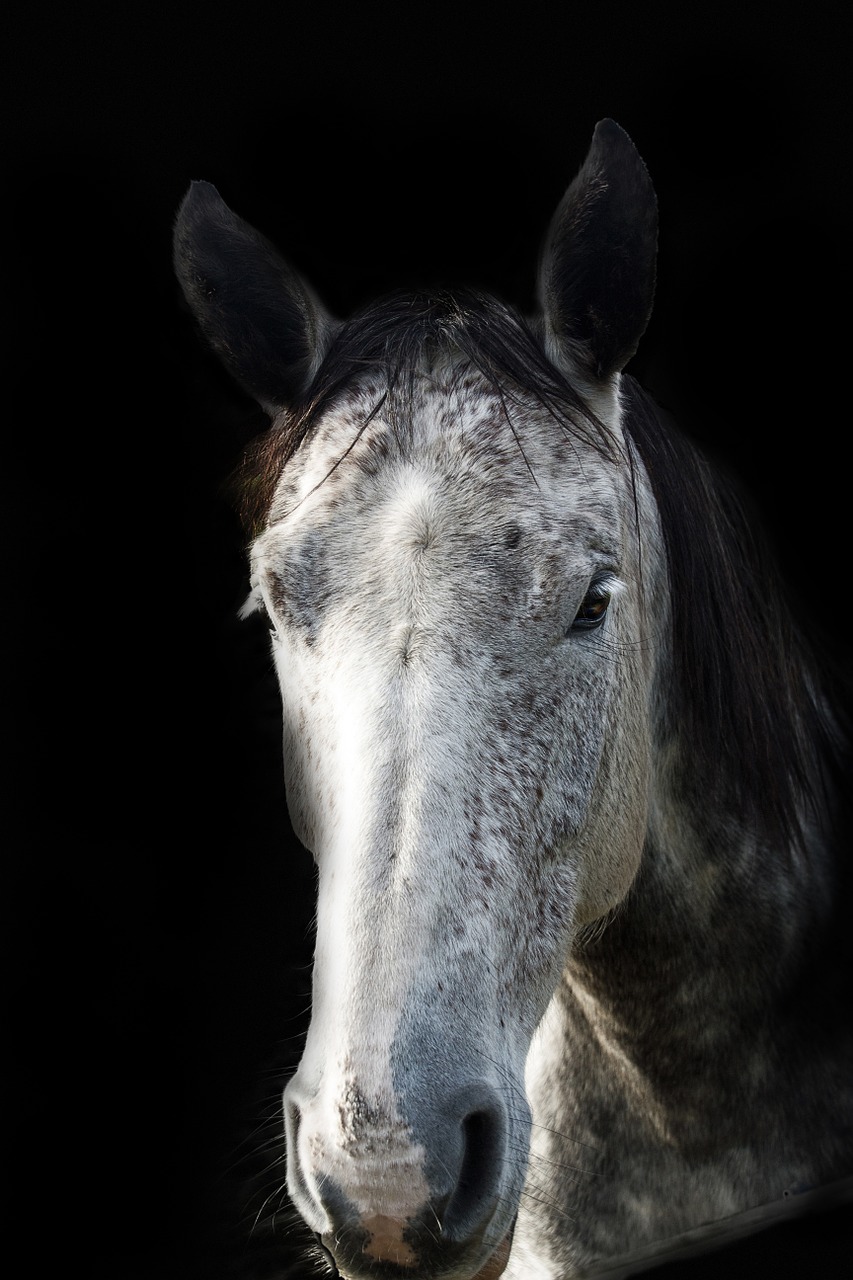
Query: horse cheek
{"points": [[610, 848]]}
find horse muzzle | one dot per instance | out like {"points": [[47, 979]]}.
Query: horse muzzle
{"points": [[388, 1207]]}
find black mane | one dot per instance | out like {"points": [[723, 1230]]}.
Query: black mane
{"points": [[746, 702], [750, 694]]}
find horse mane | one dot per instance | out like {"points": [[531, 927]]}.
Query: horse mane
{"points": [[748, 693], [751, 694]]}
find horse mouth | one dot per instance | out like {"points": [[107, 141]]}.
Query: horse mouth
{"points": [[492, 1269], [496, 1265]]}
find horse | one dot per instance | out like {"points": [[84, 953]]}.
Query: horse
{"points": [[570, 772]]}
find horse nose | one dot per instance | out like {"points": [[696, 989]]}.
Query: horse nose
{"points": [[419, 1194]]}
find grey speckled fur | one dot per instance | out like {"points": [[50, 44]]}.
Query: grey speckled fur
{"points": [[565, 766]]}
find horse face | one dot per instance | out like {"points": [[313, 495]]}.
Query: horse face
{"points": [[465, 708], [457, 636]]}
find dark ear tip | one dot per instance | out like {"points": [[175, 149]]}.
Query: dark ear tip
{"points": [[201, 197], [201, 209], [609, 134], [611, 145], [202, 190]]}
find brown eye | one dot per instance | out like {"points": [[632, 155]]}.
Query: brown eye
{"points": [[593, 608]]}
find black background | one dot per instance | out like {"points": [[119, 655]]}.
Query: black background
{"points": [[158, 911]]}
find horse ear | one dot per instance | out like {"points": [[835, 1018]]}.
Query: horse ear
{"points": [[597, 277], [254, 310]]}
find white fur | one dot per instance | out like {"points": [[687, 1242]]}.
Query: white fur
{"points": [[405, 696]]}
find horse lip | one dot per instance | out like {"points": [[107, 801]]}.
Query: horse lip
{"points": [[496, 1264], [493, 1268], [386, 1241]]}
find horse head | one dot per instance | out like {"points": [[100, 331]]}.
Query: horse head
{"points": [[460, 612]]}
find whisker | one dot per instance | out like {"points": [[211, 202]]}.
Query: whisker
{"points": [[278, 1191], [536, 1196]]}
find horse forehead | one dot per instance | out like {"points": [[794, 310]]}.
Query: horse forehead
{"points": [[458, 443]]}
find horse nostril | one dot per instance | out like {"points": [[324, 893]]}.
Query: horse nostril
{"points": [[309, 1205], [483, 1138]]}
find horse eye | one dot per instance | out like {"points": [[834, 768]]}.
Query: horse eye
{"points": [[593, 609]]}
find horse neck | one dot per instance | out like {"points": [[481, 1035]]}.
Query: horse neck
{"points": [[718, 924]]}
